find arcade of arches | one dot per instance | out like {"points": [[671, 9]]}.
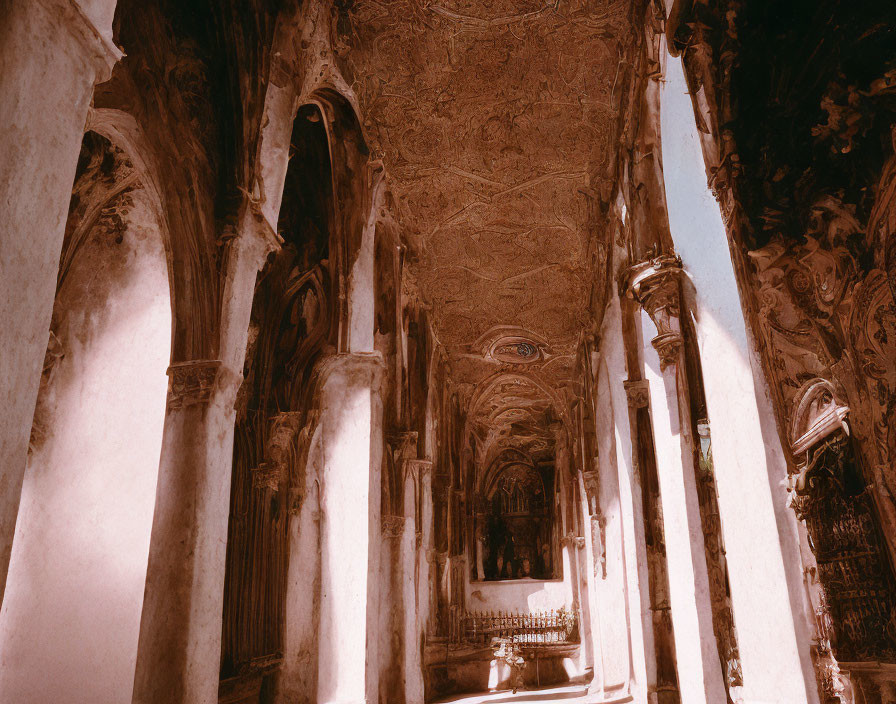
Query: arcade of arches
{"points": [[384, 351]]}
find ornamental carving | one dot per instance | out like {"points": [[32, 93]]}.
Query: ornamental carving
{"points": [[655, 285], [393, 526], [829, 493], [637, 393], [853, 568], [827, 320], [191, 383], [281, 452]]}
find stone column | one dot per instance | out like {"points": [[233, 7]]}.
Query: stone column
{"points": [[414, 473], [655, 285], [179, 650], [52, 53], [351, 417], [424, 550]]}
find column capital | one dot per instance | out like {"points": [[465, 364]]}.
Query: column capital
{"points": [[259, 229], [393, 526], [655, 285], [572, 540], [403, 444], [367, 365], [419, 468], [252, 235], [637, 393], [191, 383]]}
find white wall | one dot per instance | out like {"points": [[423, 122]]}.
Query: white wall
{"points": [[70, 619], [518, 595]]}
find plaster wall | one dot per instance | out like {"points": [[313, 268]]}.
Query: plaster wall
{"points": [[760, 537], [518, 595], [70, 621]]}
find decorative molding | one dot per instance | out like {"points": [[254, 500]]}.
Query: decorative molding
{"points": [[508, 344], [637, 393], [191, 383]]}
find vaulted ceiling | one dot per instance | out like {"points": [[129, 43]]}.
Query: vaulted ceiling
{"points": [[498, 123]]}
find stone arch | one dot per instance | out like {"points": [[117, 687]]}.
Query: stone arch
{"points": [[298, 321], [83, 529]]}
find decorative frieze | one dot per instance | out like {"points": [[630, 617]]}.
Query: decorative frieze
{"points": [[191, 383]]}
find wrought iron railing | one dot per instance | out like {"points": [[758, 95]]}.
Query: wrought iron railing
{"points": [[557, 626]]}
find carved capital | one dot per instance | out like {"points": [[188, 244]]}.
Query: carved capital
{"points": [[256, 236], [655, 285], [403, 444], [417, 468], [668, 347], [358, 367], [191, 383], [393, 526], [637, 393]]}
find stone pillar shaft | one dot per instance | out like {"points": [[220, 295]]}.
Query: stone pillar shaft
{"points": [[52, 55], [656, 286], [352, 442], [179, 650], [415, 476]]}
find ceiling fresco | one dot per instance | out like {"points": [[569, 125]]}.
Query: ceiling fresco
{"points": [[497, 122]]}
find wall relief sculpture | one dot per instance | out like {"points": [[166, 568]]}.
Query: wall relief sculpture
{"points": [[828, 492]]}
